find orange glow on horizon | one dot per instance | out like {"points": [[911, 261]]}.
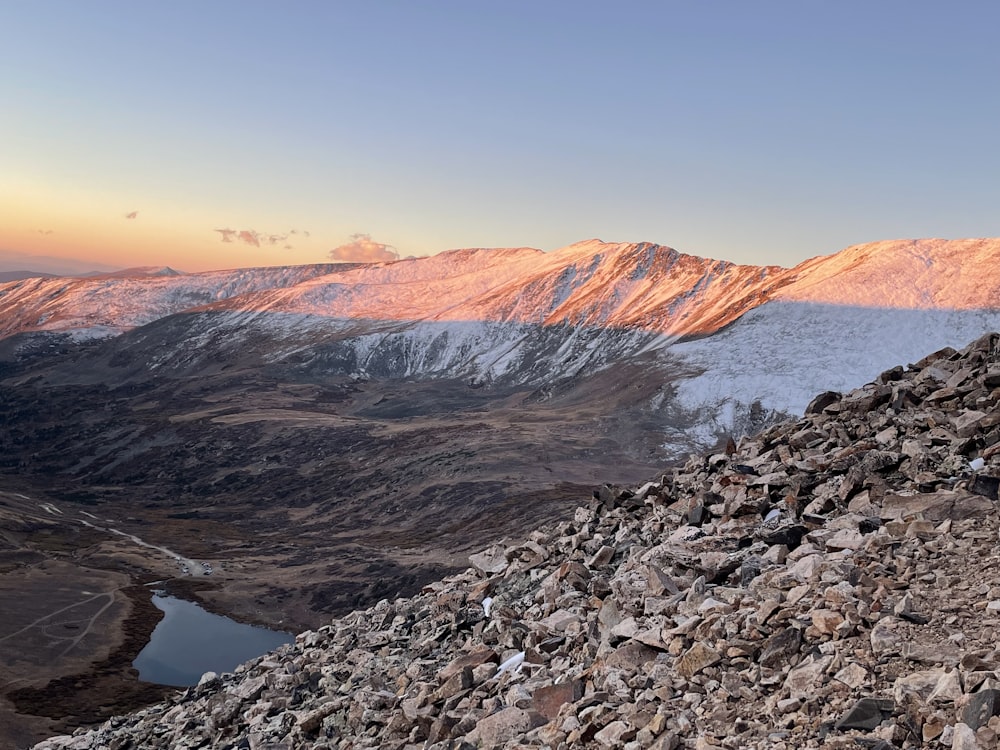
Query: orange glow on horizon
{"points": [[97, 230]]}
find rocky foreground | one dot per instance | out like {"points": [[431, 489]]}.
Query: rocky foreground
{"points": [[829, 583]]}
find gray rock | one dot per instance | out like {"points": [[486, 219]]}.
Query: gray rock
{"points": [[823, 400], [780, 648], [988, 487], [982, 706], [866, 713]]}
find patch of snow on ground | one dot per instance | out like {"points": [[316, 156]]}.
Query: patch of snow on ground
{"points": [[785, 353]]}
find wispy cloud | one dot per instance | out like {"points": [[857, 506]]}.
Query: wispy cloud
{"points": [[132, 215], [363, 249], [259, 239]]}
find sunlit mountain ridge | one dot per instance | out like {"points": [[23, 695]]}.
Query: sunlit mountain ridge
{"points": [[592, 283], [734, 337]]}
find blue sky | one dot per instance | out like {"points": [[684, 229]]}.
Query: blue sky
{"points": [[757, 132]]}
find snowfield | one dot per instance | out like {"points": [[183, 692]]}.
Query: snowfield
{"points": [[783, 353]]}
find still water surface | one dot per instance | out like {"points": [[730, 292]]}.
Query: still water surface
{"points": [[189, 641]]}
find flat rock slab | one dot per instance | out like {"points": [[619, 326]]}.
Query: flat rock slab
{"points": [[936, 506], [507, 724], [866, 713], [697, 658], [472, 659], [489, 562], [547, 700]]}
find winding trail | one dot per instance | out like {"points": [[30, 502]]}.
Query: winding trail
{"points": [[193, 568], [189, 566]]}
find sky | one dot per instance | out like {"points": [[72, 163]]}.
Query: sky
{"points": [[230, 133]]}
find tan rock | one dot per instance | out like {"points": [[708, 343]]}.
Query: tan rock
{"points": [[845, 539], [943, 652], [776, 554], [967, 423], [806, 569], [560, 620], [935, 506], [311, 721], [614, 734], [631, 656], [506, 724], [920, 684], [657, 605], [767, 608], [780, 648], [933, 727], [601, 558], [489, 562], [948, 688], [804, 680], [652, 638], [455, 684], [824, 622], [697, 658], [666, 741], [885, 637], [853, 675], [657, 724], [548, 699], [627, 628], [482, 655], [659, 583]]}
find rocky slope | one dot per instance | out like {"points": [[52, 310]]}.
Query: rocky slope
{"points": [[827, 583]]}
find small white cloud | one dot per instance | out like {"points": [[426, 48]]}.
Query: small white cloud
{"points": [[363, 249]]}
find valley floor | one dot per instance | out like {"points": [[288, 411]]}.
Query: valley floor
{"points": [[305, 500]]}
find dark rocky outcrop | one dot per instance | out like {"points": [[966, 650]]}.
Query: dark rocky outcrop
{"points": [[839, 590]]}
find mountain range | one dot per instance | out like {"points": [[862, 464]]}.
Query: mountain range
{"points": [[15, 265], [742, 334], [329, 435]]}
